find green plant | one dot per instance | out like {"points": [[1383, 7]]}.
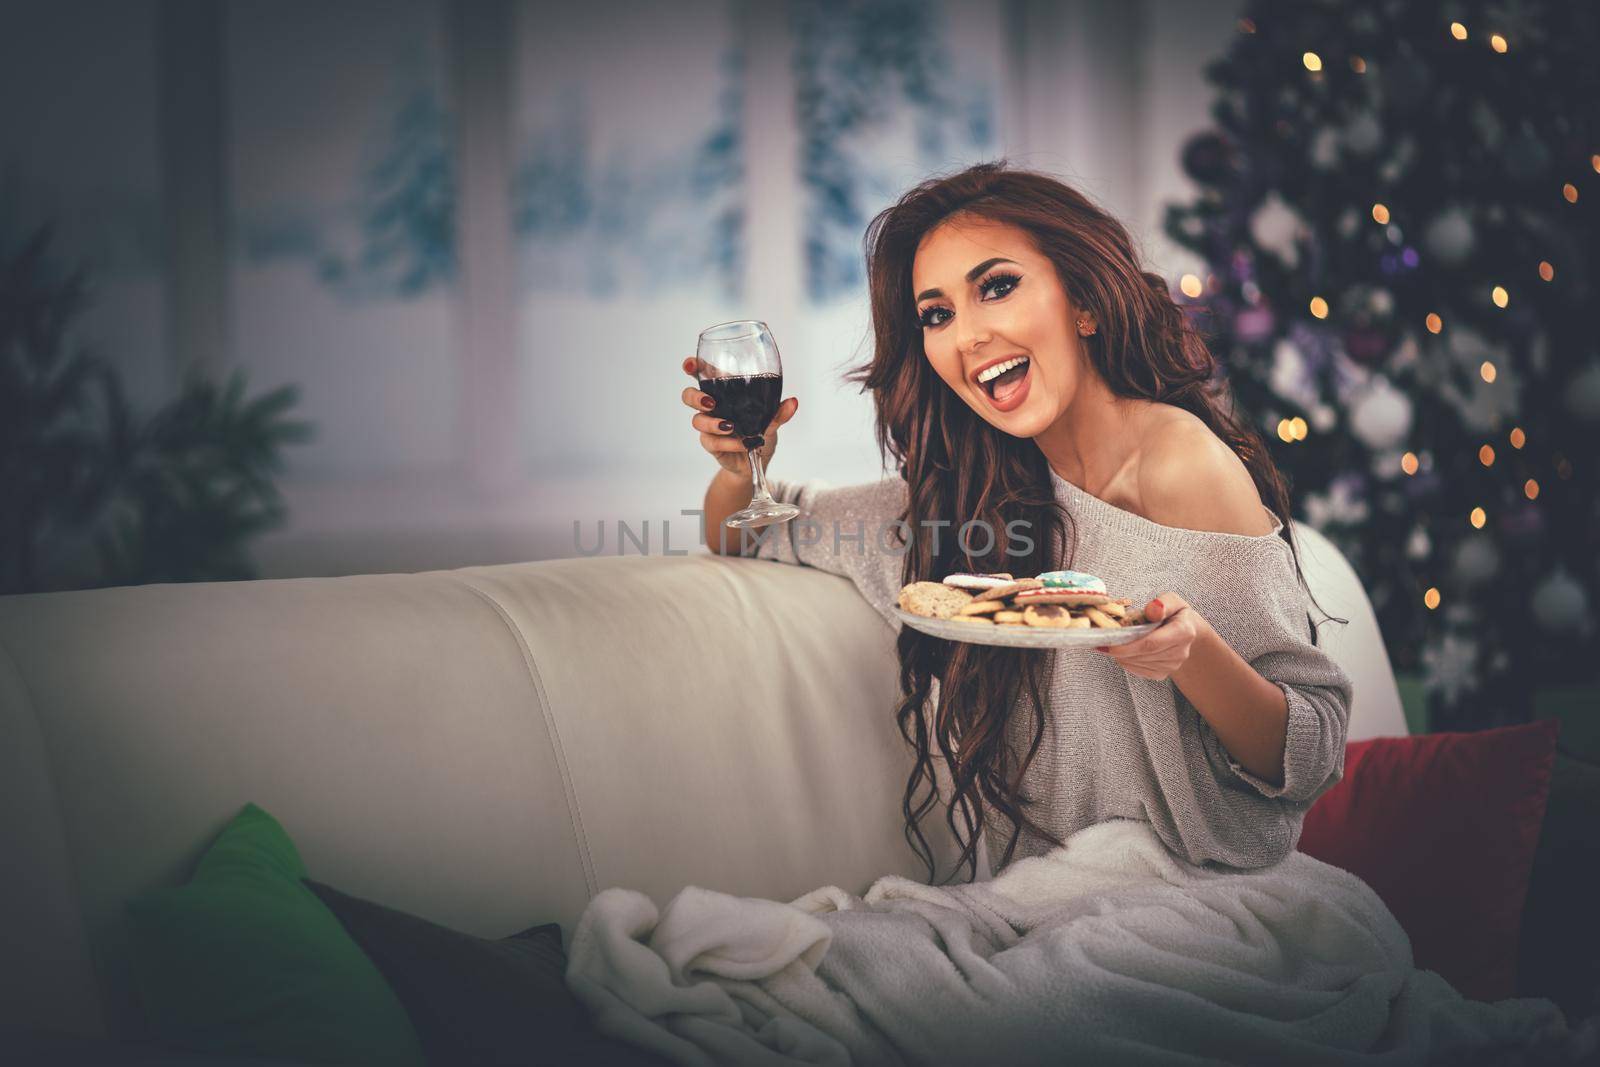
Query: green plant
{"points": [[92, 495]]}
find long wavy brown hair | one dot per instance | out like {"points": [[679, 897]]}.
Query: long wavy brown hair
{"points": [[958, 467]]}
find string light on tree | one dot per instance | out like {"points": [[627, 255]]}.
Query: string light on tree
{"points": [[1425, 426], [1190, 284]]}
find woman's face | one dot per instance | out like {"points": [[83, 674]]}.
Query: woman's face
{"points": [[984, 295]]}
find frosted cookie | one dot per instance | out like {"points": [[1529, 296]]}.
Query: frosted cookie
{"points": [[933, 600], [1076, 581], [977, 583]]}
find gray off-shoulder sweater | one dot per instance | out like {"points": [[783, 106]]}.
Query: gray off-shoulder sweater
{"points": [[1116, 745]]}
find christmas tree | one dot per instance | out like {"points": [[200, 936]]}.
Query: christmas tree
{"points": [[1398, 210]]}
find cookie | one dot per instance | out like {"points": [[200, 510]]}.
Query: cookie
{"points": [[1077, 581], [1008, 617], [973, 618], [1000, 592], [1053, 616], [976, 583], [981, 607], [1069, 597], [933, 600], [1101, 619]]}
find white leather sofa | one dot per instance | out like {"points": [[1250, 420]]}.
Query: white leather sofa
{"points": [[486, 747]]}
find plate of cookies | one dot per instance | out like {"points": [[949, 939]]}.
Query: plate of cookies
{"points": [[1057, 609]]}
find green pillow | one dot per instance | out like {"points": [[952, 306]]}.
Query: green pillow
{"points": [[245, 960]]}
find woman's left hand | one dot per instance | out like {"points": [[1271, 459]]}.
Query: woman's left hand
{"points": [[1159, 654]]}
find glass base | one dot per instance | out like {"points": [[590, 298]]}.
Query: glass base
{"points": [[761, 515]]}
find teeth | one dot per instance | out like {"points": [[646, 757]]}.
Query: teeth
{"points": [[998, 369]]}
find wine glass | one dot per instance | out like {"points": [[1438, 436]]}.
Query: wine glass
{"points": [[737, 365]]}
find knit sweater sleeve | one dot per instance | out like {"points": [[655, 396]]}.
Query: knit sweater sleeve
{"points": [[852, 531], [1255, 602]]}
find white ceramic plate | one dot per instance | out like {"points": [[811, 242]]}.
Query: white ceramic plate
{"points": [[1010, 636]]}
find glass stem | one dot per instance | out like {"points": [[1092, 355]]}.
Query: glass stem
{"points": [[758, 479]]}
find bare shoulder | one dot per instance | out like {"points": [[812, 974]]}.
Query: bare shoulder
{"points": [[1190, 479]]}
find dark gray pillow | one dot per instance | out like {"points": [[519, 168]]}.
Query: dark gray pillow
{"points": [[476, 1002]]}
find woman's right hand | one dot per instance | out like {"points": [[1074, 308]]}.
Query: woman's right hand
{"points": [[717, 436]]}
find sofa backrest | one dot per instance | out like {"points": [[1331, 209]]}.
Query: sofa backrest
{"points": [[485, 747], [1356, 645]]}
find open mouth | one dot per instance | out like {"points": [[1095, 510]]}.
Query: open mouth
{"points": [[1003, 380]]}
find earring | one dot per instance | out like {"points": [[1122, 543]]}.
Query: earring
{"points": [[1085, 330]]}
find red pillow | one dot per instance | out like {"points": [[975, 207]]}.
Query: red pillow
{"points": [[1443, 827]]}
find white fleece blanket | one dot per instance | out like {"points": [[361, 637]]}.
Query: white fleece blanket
{"points": [[1108, 949]]}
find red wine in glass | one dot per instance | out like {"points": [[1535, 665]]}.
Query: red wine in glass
{"points": [[749, 401], [737, 365]]}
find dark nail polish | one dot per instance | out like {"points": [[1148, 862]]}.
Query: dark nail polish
{"points": [[724, 425], [707, 402]]}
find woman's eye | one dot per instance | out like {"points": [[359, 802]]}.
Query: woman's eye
{"points": [[1008, 280], [987, 286]]}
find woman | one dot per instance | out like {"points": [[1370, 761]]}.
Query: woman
{"points": [[1108, 438]]}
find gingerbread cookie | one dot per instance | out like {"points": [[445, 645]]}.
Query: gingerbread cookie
{"points": [[1070, 597], [1000, 592]]}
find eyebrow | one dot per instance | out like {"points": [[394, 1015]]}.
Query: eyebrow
{"points": [[971, 275]]}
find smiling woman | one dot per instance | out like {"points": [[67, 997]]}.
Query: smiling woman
{"points": [[1027, 374]]}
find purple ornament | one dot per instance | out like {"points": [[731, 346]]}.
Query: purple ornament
{"points": [[1254, 324], [1526, 521], [1366, 344]]}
